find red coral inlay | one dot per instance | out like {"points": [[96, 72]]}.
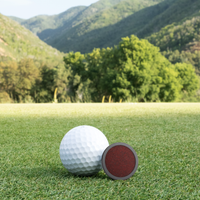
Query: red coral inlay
{"points": [[120, 161]]}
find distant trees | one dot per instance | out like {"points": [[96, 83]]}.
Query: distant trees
{"points": [[184, 57], [132, 70], [8, 80], [176, 36], [187, 77], [27, 75], [74, 63], [144, 72], [180, 42], [23, 81], [44, 89]]}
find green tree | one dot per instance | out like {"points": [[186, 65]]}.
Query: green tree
{"points": [[28, 73], [187, 77], [76, 66], [143, 71], [96, 65], [9, 78], [62, 83], [44, 88]]}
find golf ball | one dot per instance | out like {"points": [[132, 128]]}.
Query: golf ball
{"points": [[81, 150]]}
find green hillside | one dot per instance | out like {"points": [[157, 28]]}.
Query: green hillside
{"points": [[180, 42], [17, 19], [108, 27], [104, 23], [17, 42], [44, 22], [176, 36], [59, 30], [95, 31], [47, 26]]}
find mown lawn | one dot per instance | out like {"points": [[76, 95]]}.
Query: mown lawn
{"points": [[165, 136]]}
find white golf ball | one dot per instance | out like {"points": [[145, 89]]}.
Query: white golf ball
{"points": [[81, 150]]}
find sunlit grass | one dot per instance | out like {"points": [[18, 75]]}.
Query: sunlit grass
{"points": [[166, 138]]}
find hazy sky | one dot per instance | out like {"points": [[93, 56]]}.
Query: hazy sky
{"points": [[26, 9]]}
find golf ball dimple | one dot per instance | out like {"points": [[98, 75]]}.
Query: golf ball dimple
{"points": [[81, 150]]}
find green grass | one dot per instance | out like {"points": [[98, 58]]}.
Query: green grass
{"points": [[166, 138]]}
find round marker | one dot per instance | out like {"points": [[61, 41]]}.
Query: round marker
{"points": [[119, 161]]}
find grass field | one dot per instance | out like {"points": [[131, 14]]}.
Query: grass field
{"points": [[166, 138]]}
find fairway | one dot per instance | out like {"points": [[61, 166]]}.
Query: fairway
{"points": [[165, 136]]}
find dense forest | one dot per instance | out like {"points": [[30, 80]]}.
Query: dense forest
{"points": [[134, 70], [24, 82]]}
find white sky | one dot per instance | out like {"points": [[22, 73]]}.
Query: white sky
{"points": [[26, 9]]}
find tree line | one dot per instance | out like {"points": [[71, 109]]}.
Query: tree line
{"points": [[24, 81], [133, 70]]}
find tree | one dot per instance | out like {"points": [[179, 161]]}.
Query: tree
{"points": [[187, 77], [62, 83], [9, 78], [43, 90], [143, 72], [75, 65], [98, 65], [28, 73]]}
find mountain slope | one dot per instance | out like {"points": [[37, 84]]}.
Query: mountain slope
{"points": [[176, 11], [95, 31], [103, 24], [42, 22], [17, 19], [85, 36], [177, 36], [17, 42], [68, 18], [95, 8], [58, 30], [180, 42]]}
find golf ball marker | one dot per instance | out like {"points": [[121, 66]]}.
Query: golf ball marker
{"points": [[119, 161]]}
